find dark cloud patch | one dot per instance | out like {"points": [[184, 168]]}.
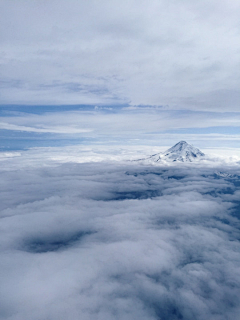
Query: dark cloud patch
{"points": [[59, 242], [236, 209], [120, 241], [135, 195]]}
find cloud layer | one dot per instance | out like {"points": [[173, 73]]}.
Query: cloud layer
{"points": [[119, 241], [171, 53], [124, 125]]}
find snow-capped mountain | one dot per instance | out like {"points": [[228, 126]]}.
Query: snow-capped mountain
{"points": [[180, 152]]}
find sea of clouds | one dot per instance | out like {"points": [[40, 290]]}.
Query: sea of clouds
{"points": [[119, 240]]}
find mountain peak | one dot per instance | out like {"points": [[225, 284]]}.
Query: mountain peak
{"points": [[184, 152], [179, 146], [180, 152]]}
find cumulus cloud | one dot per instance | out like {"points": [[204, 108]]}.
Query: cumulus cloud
{"points": [[119, 241], [180, 54]]}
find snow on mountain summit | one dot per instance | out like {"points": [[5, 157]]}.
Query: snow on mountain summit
{"points": [[180, 152], [184, 152]]}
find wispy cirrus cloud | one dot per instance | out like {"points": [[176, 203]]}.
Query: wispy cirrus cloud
{"points": [[42, 129], [147, 125], [118, 119]]}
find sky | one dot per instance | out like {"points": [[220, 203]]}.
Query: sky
{"points": [[157, 71]]}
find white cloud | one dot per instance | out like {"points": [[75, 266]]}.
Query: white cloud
{"points": [[55, 129], [184, 55], [52, 156], [121, 121], [118, 241], [121, 126]]}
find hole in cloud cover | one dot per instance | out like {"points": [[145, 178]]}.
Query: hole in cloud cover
{"points": [[120, 241], [56, 243], [144, 194]]}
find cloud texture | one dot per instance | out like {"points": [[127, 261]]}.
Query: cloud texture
{"points": [[119, 241], [177, 54]]}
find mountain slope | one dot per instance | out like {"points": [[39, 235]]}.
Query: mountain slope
{"points": [[180, 152]]}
